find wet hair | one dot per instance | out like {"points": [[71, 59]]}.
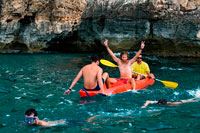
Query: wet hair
{"points": [[162, 102], [95, 58], [30, 112], [122, 53]]}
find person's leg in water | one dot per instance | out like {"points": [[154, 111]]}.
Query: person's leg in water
{"points": [[106, 79], [132, 81]]}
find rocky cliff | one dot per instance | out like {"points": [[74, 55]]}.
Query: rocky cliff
{"points": [[169, 27]]}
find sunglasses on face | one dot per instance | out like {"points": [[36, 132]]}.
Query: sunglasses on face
{"points": [[139, 58], [29, 120]]}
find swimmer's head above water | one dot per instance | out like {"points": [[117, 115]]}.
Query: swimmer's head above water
{"points": [[30, 116], [162, 102]]}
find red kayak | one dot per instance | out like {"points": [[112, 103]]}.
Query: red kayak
{"points": [[119, 87]]}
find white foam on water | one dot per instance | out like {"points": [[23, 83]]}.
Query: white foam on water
{"points": [[15, 87], [130, 124], [153, 110], [27, 78], [50, 95], [61, 103], [170, 68], [135, 91], [194, 92], [69, 101], [176, 93], [18, 98], [7, 71], [90, 113], [46, 82]]}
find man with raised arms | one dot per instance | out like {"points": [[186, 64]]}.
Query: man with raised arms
{"points": [[92, 76], [124, 64]]}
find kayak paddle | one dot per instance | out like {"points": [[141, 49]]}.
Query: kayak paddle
{"points": [[107, 63], [168, 84]]}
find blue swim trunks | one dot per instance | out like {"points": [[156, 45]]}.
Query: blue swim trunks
{"points": [[97, 88]]}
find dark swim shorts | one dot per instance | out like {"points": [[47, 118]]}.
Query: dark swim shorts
{"points": [[97, 88]]}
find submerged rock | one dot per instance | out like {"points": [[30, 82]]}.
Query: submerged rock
{"points": [[170, 27]]}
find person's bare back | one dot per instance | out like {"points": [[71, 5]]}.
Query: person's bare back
{"points": [[90, 73], [93, 77]]}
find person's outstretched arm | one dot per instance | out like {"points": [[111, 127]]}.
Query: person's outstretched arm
{"points": [[191, 100], [79, 75], [50, 123], [117, 60], [148, 102], [138, 53]]}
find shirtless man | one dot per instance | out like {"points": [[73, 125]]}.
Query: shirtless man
{"points": [[173, 103], [124, 64], [31, 118], [92, 76]]}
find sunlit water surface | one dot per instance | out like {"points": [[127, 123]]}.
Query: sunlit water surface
{"points": [[39, 80]]}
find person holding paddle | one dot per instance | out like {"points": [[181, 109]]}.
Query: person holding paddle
{"points": [[141, 67], [124, 64], [93, 77]]}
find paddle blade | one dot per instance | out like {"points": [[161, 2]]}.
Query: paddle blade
{"points": [[170, 84], [107, 63]]}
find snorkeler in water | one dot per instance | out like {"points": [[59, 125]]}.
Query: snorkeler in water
{"points": [[164, 102], [31, 118]]}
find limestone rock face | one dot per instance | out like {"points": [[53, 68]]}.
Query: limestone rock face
{"points": [[33, 23], [170, 27]]}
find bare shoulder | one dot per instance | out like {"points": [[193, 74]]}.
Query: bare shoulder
{"points": [[99, 68], [85, 67]]}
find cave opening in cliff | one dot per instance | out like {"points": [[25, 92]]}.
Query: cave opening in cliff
{"points": [[73, 44], [62, 44]]}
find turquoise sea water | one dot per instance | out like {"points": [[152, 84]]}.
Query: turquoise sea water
{"points": [[39, 80]]}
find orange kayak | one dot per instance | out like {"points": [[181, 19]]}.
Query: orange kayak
{"points": [[119, 87]]}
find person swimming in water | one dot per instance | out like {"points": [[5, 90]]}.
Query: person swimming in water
{"points": [[31, 118], [173, 103]]}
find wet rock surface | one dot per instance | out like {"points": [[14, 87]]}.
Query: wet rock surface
{"points": [[169, 27]]}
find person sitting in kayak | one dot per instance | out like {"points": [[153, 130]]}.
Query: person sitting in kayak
{"points": [[31, 118], [164, 102], [141, 67], [124, 64], [92, 76]]}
